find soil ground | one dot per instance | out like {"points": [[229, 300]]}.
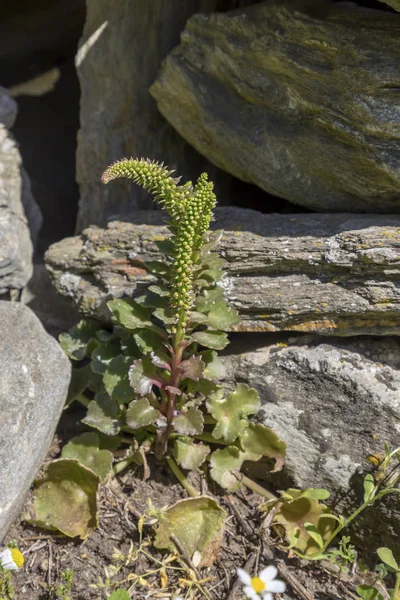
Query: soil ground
{"points": [[110, 557]]}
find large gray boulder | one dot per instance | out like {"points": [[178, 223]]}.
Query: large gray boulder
{"points": [[334, 404], [121, 50], [34, 379], [298, 97], [331, 274]]}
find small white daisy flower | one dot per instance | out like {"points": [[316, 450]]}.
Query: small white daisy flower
{"points": [[11, 559], [263, 586]]}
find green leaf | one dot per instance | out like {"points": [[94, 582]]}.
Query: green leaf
{"points": [[102, 356], [295, 512], [189, 455], [222, 317], [262, 441], [225, 467], [192, 368], [231, 412], [164, 315], [65, 498], [80, 340], [190, 422], [316, 493], [85, 449], [166, 246], [314, 533], [148, 340], [103, 414], [152, 300], [215, 368], [368, 592], [116, 379], [198, 524], [143, 375], [208, 300], [386, 556], [217, 340], [78, 384], [160, 290], [158, 267], [129, 313], [369, 487], [141, 414], [119, 595]]}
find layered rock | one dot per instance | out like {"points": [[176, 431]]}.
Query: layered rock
{"points": [[121, 50], [34, 379], [332, 274], [334, 404], [298, 97]]}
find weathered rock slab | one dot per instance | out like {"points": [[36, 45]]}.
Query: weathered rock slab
{"points": [[298, 97], [332, 274], [34, 379], [334, 404]]}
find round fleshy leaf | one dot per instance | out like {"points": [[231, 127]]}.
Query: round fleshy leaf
{"points": [[225, 467], [189, 455], [217, 340], [116, 379], [190, 422], [80, 340], [222, 317], [103, 414], [192, 368], [102, 356], [198, 524], [262, 441], [85, 449], [140, 413], [214, 366], [129, 313], [143, 375], [231, 412], [65, 499]]}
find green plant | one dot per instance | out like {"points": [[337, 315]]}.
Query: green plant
{"points": [[149, 380], [309, 528], [62, 590]]}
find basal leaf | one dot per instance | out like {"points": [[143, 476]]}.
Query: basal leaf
{"points": [[140, 413], [190, 422], [231, 412], [80, 340], [214, 366], [148, 340], [217, 340], [78, 384], [85, 448], [189, 455], [225, 467], [368, 592], [119, 595], [102, 356], [152, 300], [164, 315], [103, 414], [262, 441], [198, 524], [158, 267], [65, 498], [116, 379], [208, 300], [129, 313]]}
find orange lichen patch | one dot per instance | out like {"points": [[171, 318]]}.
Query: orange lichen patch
{"points": [[124, 265]]}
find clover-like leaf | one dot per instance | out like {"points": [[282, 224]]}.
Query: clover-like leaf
{"points": [[189, 455], [190, 422], [102, 356], [65, 498], [80, 340], [116, 379], [198, 524], [140, 413], [103, 414], [129, 313], [262, 441], [86, 449], [231, 412], [386, 556], [192, 368], [295, 514], [215, 368], [225, 467], [143, 375], [217, 340], [222, 317]]}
